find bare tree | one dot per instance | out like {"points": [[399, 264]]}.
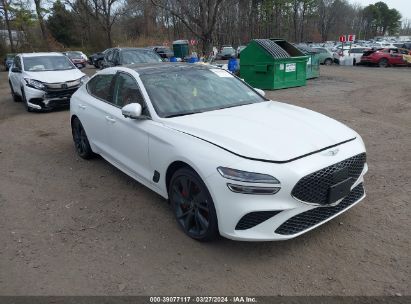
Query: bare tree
{"points": [[5, 5], [198, 16], [41, 22]]}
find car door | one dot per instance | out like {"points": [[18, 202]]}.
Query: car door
{"points": [[16, 77], [396, 57], [94, 108], [129, 137]]}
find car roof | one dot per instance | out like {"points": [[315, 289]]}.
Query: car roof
{"points": [[134, 48], [41, 54], [153, 68]]}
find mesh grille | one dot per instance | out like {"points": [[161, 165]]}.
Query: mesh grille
{"points": [[272, 48], [254, 218], [314, 187], [309, 218]]}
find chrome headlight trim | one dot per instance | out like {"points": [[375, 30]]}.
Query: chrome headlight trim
{"points": [[247, 177]]}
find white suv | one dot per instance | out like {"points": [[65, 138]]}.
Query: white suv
{"points": [[44, 80]]}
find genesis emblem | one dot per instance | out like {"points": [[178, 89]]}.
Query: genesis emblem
{"points": [[332, 152]]}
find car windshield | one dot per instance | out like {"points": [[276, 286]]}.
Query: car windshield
{"points": [[187, 91], [139, 56], [74, 55], [47, 63], [227, 50]]}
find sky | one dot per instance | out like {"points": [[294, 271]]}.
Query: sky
{"points": [[403, 6]]}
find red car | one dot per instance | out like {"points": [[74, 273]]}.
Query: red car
{"points": [[384, 57], [77, 59]]}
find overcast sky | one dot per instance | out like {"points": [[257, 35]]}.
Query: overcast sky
{"points": [[403, 6]]}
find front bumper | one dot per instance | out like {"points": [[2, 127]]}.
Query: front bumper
{"points": [[284, 217], [39, 99]]}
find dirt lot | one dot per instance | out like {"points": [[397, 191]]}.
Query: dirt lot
{"points": [[75, 227]]}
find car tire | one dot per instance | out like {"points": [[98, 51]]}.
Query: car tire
{"points": [[16, 97], [23, 98], [383, 63], [192, 205], [80, 139], [328, 61]]}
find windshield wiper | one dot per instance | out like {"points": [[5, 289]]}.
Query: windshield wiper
{"points": [[182, 114]]}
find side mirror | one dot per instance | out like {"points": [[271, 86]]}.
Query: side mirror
{"points": [[259, 91], [15, 70], [132, 110]]}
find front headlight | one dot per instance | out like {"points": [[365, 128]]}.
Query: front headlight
{"points": [[84, 79], [35, 84], [247, 177]]}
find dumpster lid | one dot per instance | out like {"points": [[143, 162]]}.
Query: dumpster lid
{"points": [[180, 42], [272, 48]]}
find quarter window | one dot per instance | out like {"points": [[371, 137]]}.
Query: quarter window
{"points": [[99, 86]]}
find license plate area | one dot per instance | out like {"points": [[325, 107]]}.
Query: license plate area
{"points": [[339, 190]]}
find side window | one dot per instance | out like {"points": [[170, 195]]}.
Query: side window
{"points": [[99, 86], [126, 91], [17, 62]]}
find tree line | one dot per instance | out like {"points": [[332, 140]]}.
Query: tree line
{"points": [[94, 25]]}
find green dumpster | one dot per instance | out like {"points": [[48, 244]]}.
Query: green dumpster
{"points": [[313, 63], [180, 48], [273, 64]]}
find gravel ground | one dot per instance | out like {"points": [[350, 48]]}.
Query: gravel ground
{"points": [[75, 227]]}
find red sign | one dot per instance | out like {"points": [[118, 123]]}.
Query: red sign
{"points": [[193, 42], [343, 38], [351, 38]]}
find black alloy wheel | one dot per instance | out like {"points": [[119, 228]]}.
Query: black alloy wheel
{"points": [[193, 206], [383, 63], [328, 61], [80, 139]]}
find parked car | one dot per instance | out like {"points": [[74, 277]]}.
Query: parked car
{"points": [[406, 45], [326, 56], [383, 57], [356, 53], [163, 52], [77, 59], [97, 58], [44, 80], [208, 142], [8, 60], [124, 56], [239, 49], [226, 53]]}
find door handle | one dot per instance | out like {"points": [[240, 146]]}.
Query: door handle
{"points": [[82, 107], [110, 119]]}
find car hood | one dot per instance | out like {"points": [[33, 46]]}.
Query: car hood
{"points": [[55, 76], [269, 131]]}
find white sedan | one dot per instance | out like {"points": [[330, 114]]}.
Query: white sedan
{"points": [[44, 80], [230, 161]]}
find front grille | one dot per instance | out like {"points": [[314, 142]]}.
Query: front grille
{"points": [[254, 218], [63, 85], [314, 187], [60, 93], [309, 218]]}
